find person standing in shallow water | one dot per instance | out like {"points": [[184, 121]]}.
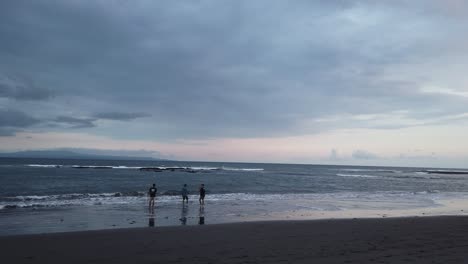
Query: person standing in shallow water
{"points": [[202, 195], [152, 195], [184, 193]]}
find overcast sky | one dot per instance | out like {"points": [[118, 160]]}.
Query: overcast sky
{"points": [[336, 82]]}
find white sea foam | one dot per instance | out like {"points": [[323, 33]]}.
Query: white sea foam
{"points": [[164, 168], [31, 197], [91, 167], [356, 175], [202, 168], [72, 199], [126, 167], [241, 169], [44, 165], [139, 198]]}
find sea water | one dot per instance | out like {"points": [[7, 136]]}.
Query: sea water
{"points": [[51, 195]]}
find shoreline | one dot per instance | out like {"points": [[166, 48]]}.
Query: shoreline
{"points": [[246, 222], [441, 239], [23, 221]]}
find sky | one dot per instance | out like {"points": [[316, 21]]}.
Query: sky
{"points": [[316, 82]]}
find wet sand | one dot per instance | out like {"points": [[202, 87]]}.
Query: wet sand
{"points": [[387, 240]]}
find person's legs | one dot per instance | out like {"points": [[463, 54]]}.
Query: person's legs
{"points": [[151, 205]]}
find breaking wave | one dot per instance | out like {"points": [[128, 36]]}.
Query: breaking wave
{"points": [[156, 168], [357, 175], [139, 198]]}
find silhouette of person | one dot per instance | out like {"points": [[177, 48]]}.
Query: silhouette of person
{"points": [[202, 195], [152, 195], [184, 193]]}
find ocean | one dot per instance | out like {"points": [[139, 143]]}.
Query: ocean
{"points": [[58, 195]]}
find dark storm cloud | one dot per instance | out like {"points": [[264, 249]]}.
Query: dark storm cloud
{"points": [[120, 116], [230, 68], [75, 122], [108, 152], [12, 121], [15, 88], [13, 118]]}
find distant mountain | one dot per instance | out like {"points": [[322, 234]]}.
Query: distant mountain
{"points": [[64, 154]]}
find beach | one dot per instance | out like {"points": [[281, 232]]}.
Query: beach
{"points": [[442, 239], [76, 212], [78, 195]]}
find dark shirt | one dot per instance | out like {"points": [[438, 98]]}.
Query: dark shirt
{"points": [[202, 191], [152, 191]]}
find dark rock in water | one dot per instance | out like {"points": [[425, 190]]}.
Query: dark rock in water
{"points": [[92, 167], [151, 169], [445, 172], [81, 167], [10, 206], [117, 194], [176, 169]]}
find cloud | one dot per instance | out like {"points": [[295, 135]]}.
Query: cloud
{"points": [[120, 116], [75, 122], [13, 118], [15, 88], [218, 70], [115, 152], [12, 121]]}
